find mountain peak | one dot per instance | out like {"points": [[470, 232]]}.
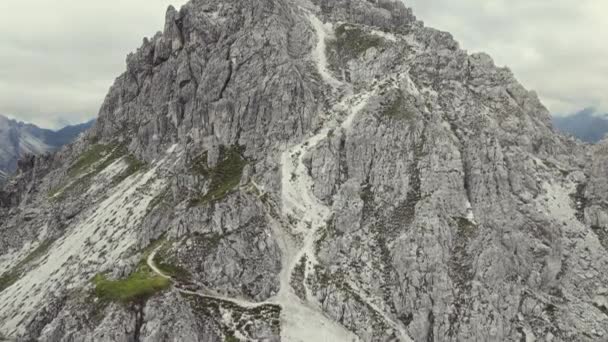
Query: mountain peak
{"points": [[316, 170]]}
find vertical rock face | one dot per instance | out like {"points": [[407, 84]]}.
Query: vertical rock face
{"points": [[305, 171]]}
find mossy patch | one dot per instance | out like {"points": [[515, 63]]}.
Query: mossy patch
{"points": [[466, 228], [134, 165], [91, 163], [37, 253], [395, 108], [7, 279], [224, 177], [298, 277], [91, 157], [352, 41], [208, 241], [161, 200], [206, 308], [231, 338], [139, 286]]}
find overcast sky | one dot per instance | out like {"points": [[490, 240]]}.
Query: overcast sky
{"points": [[59, 57]]}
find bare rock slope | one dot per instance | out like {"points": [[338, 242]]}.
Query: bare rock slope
{"points": [[281, 170]]}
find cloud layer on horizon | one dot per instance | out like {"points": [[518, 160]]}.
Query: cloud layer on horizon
{"points": [[557, 48], [59, 58]]}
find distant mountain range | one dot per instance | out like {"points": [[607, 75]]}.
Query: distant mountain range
{"points": [[18, 139], [587, 125]]}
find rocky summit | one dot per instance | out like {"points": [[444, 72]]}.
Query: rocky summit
{"points": [[309, 170]]}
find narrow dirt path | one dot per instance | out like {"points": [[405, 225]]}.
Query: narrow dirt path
{"points": [[202, 292]]}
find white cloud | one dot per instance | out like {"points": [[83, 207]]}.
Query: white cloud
{"points": [[557, 47], [58, 58]]}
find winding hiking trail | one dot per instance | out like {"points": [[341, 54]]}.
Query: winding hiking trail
{"points": [[304, 320], [202, 291]]}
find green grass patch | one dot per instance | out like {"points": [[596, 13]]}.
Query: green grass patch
{"points": [[199, 165], [176, 272], [352, 41], [298, 277], [55, 192], [139, 286], [396, 107], [90, 157], [466, 228], [224, 177], [37, 253], [134, 165], [91, 163], [231, 338], [161, 200], [8, 279]]}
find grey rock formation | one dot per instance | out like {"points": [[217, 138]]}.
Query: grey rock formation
{"points": [[306, 171]]}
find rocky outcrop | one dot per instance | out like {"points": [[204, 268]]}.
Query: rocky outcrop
{"points": [[300, 171]]}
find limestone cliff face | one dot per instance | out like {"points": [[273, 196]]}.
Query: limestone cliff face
{"points": [[306, 171]]}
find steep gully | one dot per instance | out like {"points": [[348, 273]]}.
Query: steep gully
{"points": [[303, 320]]}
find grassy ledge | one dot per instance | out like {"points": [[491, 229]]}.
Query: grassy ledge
{"points": [[105, 153], [134, 165], [139, 286], [91, 163], [224, 177], [351, 41]]}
